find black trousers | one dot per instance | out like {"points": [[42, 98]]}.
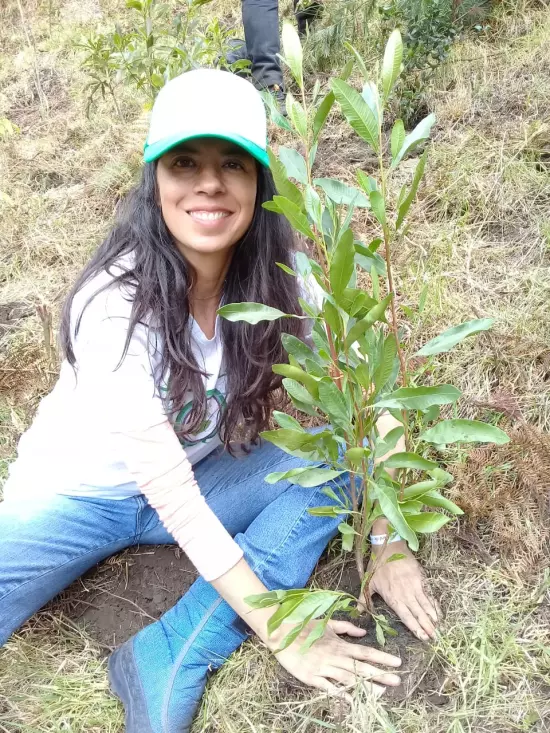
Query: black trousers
{"points": [[262, 44]]}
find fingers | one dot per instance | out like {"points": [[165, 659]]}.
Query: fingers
{"points": [[374, 656], [428, 605], [422, 617], [349, 679], [323, 684], [368, 672], [409, 619], [346, 627]]}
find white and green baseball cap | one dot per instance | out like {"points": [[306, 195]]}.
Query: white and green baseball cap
{"points": [[207, 103]]}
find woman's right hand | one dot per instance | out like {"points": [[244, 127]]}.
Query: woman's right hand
{"points": [[332, 660]]}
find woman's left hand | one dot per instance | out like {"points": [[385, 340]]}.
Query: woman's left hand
{"points": [[402, 585]]}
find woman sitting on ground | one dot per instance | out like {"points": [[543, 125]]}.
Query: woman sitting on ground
{"points": [[134, 444]]}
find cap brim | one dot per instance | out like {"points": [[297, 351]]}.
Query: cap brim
{"points": [[154, 151]]}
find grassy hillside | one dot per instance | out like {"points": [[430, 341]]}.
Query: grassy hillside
{"points": [[479, 234]]}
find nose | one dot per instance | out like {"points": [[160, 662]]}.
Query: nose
{"points": [[209, 180]]}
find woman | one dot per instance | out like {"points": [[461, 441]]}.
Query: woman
{"points": [[150, 368]]}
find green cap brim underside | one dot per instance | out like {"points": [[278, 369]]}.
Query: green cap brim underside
{"points": [[154, 151]]}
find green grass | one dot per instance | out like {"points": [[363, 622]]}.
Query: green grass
{"points": [[479, 234]]}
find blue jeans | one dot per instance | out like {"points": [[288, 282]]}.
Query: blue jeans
{"points": [[47, 544]]}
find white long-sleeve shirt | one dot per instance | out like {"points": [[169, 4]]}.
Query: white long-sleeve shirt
{"points": [[103, 431]]}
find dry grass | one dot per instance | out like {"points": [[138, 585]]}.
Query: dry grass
{"points": [[479, 234]]}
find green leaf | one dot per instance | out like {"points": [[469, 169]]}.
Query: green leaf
{"points": [[397, 137], [314, 635], [322, 114], [439, 479], [427, 522], [420, 133], [348, 535], [314, 206], [380, 638], [385, 368], [286, 421], [297, 220], [334, 403], [434, 498], [294, 633], [341, 193], [271, 206], [372, 98], [286, 268], [391, 65], [410, 507], [453, 336], [284, 610], [274, 112], [273, 478], [331, 316], [396, 556], [250, 312], [354, 300], [313, 604], [298, 392], [357, 112], [405, 204], [304, 407], [358, 58], [378, 207], [370, 260], [388, 503], [420, 398], [366, 182], [377, 313], [342, 263], [297, 348], [292, 49], [327, 511], [262, 600], [294, 164], [314, 368], [409, 460], [284, 187], [389, 442], [295, 373], [297, 115], [464, 431], [294, 442], [315, 477]]}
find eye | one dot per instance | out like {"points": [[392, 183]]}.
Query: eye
{"points": [[183, 162], [234, 165]]}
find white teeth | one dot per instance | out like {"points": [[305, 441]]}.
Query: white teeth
{"points": [[209, 215]]}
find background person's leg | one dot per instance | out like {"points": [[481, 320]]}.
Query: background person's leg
{"points": [[47, 543], [172, 657], [261, 32]]}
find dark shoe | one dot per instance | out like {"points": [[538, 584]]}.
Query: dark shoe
{"points": [[126, 684]]}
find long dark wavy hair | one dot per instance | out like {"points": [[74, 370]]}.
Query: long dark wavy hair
{"points": [[160, 279]]}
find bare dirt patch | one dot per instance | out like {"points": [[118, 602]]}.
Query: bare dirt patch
{"points": [[127, 592]]}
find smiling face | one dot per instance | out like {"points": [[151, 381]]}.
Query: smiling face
{"points": [[207, 192]]}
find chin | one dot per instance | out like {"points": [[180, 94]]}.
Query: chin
{"points": [[209, 245]]}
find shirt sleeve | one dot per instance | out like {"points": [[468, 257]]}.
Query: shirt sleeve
{"points": [[121, 398]]}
